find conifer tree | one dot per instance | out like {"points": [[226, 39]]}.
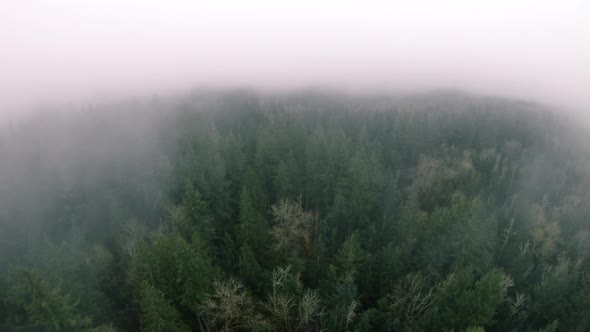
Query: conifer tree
{"points": [[47, 306], [157, 313]]}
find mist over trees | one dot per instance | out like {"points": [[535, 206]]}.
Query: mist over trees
{"points": [[300, 212]]}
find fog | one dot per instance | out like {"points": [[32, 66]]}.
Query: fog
{"points": [[272, 166], [81, 52]]}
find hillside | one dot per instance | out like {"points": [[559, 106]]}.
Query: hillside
{"points": [[300, 212]]}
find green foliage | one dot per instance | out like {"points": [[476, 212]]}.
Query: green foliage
{"points": [[192, 215], [252, 228], [475, 329], [302, 212], [46, 306], [350, 258], [254, 239], [250, 269], [181, 270], [552, 295], [343, 305], [157, 314], [461, 300]]}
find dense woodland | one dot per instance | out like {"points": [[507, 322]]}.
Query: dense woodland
{"points": [[302, 212]]}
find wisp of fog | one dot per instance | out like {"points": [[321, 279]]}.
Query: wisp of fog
{"points": [[66, 51], [307, 166]]}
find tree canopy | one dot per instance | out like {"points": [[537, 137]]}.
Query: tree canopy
{"points": [[301, 212]]}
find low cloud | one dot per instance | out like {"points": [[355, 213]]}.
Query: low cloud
{"points": [[66, 51]]}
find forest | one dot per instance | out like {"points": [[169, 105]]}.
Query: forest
{"points": [[303, 211]]}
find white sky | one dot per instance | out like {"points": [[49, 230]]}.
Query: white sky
{"points": [[57, 51]]}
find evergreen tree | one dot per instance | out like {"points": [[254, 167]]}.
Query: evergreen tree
{"points": [[157, 314], [46, 306]]}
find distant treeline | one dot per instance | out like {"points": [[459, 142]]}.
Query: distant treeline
{"points": [[302, 212]]}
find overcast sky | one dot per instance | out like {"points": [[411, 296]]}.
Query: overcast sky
{"points": [[58, 51]]}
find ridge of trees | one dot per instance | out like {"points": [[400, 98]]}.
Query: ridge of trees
{"points": [[302, 213]]}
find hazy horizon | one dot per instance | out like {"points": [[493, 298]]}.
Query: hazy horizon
{"points": [[294, 165], [65, 51]]}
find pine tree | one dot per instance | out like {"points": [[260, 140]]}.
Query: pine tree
{"points": [[350, 257], [181, 270], [47, 306], [157, 313], [252, 228]]}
